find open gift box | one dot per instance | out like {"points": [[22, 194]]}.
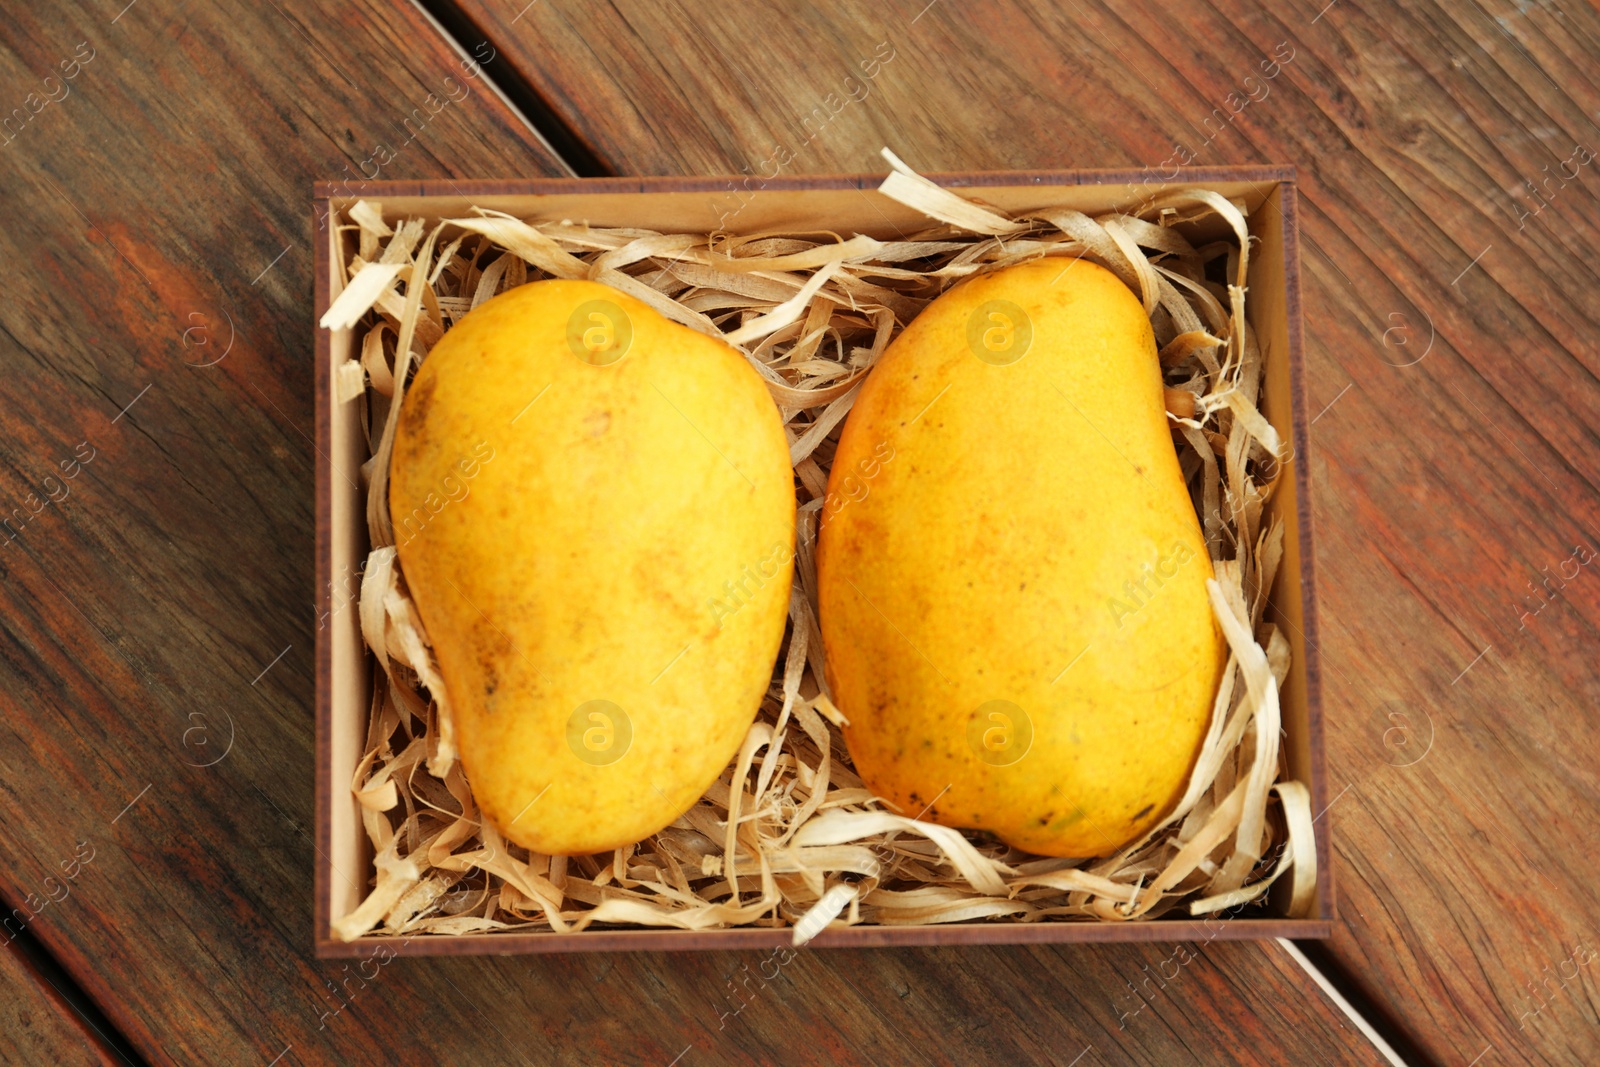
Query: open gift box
{"points": [[846, 206]]}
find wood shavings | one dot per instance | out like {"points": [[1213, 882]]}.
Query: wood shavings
{"points": [[526, 241], [913, 190], [349, 380], [359, 295], [369, 217], [789, 836], [786, 312]]}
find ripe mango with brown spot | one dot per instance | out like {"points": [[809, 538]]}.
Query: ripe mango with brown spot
{"points": [[1014, 603], [594, 512]]}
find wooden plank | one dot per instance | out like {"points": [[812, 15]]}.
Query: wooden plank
{"points": [[1447, 222], [38, 1024]]}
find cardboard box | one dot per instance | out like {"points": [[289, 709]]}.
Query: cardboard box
{"points": [[846, 205]]}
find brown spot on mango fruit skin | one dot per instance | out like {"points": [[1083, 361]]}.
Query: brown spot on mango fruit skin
{"points": [[1066, 454], [576, 571]]}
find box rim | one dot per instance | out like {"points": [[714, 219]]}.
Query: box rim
{"points": [[374, 190], [1306, 536], [322, 432], [1318, 927], [849, 937]]}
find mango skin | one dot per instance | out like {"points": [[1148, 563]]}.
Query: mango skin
{"points": [[1029, 539], [628, 539]]}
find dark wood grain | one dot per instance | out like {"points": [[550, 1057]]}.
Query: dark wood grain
{"points": [[37, 1023], [1451, 365]]}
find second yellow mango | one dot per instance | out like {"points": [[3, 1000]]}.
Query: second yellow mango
{"points": [[1011, 574]]}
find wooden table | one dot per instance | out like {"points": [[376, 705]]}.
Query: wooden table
{"points": [[158, 613]]}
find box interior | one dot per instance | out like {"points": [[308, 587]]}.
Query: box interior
{"points": [[847, 211]]}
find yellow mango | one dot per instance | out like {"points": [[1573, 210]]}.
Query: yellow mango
{"points": [[594, 511], [1011, 576]]}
